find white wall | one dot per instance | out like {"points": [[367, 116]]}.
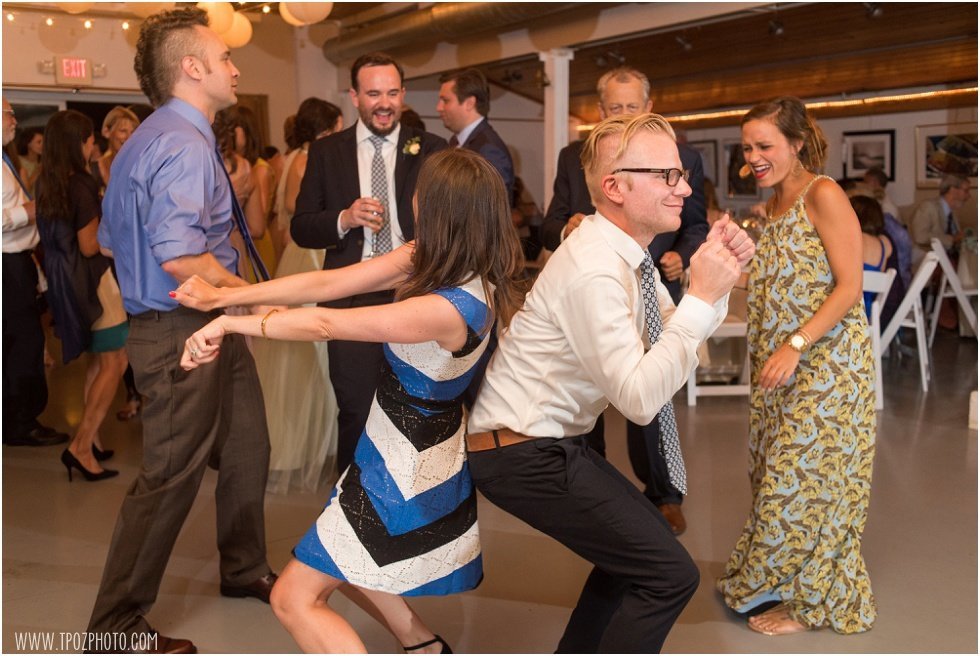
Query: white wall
{"points": [[517, 120], [268, 64]]}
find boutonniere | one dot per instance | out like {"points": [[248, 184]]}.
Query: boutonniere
{"points": [[413, 146]]}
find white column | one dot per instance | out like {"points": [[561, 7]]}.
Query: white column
{"points": [[555, 112]]}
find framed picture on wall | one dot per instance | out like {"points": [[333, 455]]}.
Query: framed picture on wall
{"points": [[945, 149], [709, 158], [868, 150], [738, 186]]}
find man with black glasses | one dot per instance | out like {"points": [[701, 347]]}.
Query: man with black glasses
{"points": [[597, 328]]}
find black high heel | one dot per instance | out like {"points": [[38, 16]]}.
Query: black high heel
{"points": [[446, 649], [101, 455], [71, 462]]}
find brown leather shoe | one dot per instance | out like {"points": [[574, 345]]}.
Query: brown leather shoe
{"points": [[168, 645], [259, 588], [672, 513]]}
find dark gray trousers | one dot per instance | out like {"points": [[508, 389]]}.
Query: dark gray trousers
{"points": [[642, 577], [212, 416]]}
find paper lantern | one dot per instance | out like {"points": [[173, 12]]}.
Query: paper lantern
{"points": [[308, 12], [147, 9], [74, 7], [288, 17], [220, 15], [239, 33]]}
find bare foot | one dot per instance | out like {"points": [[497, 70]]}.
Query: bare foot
{"points": [[776, 621]]}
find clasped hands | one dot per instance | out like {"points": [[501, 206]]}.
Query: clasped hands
{"points": [[718, 262], [205, 344]]}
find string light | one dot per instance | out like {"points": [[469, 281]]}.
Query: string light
{"points": [[266, 9], [125, 25], [88, 24], [10, 17], [49, 22]]}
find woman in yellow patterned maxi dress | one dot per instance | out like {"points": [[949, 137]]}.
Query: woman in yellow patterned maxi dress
{"points": [[812, 420]]}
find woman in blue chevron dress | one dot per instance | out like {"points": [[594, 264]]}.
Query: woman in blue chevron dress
{"points": [[402, 518]]}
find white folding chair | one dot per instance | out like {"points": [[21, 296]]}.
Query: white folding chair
{"points": [[950, 287], [726, 329], [910, 315], [879, 283]]}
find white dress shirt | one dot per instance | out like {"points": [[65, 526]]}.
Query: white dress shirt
{"points": [[365, 155], [19, 234], [580, 342]]}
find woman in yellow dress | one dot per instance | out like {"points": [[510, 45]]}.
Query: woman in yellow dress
{"points": [[812, 419]]}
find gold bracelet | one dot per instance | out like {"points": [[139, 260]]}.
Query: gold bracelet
{"points": [[266, 318]]}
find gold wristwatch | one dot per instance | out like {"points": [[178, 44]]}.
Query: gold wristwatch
{"points": [[799, 341]]}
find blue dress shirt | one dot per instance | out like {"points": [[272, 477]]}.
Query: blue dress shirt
{"points": [[167, 198]]}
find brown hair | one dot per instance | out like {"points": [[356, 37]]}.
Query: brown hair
{"points": [[470, 82], [789, 115], [242, 117], [464, 230], [869, 213], [64, 135], [625, 127], [374, 59], [165, 38]]}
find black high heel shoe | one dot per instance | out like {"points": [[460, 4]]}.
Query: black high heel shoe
{"points": [[446, 649], [101, 455], [71, 462]]}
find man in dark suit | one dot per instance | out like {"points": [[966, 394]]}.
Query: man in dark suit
{"points": [[464, 103], [627, 91], [356, 202]]}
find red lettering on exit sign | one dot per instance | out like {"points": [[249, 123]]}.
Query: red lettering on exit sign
{"points": [[73, 71]]}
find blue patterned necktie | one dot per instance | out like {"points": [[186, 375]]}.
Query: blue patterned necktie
{"points": [[258, 266], [379, 189], [670, 444], [951, 228], [13, 169]]}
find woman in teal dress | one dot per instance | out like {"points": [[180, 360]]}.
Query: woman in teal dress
{"points": [[812, 420]]}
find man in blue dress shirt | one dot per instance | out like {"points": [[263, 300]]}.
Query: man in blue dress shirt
{"points": [[168, 213]]}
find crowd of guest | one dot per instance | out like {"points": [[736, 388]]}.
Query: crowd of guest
{"points": [[347, 312]]}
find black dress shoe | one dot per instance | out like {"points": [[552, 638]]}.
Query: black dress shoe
{"points": [[259, 588], [40, 436]]}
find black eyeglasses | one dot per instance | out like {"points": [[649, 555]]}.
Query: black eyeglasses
{"points": [[670, 176]]}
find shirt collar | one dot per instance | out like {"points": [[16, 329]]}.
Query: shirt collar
{"points": [[946, 207], [363, 133], [622, 243], [193, 115], [465, 133]]}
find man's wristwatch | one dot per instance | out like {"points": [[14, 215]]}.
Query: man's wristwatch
{"points": [[799, 341]]}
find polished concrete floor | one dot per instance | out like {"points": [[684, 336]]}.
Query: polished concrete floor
{"points": [[920, 543]]}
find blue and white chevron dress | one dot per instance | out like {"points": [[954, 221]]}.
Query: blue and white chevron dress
{"points": [[402, 518]]}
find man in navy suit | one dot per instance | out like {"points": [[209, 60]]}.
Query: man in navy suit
{"points": [[464, 102], [627, 91], [356, 202]]}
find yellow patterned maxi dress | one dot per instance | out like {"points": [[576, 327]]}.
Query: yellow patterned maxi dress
{"points": [[811, 444]]}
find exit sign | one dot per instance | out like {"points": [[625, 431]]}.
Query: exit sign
{"points": [[73, 71]]}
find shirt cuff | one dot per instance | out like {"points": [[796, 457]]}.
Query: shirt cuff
{"points": [[340, 228], [699, 317]]}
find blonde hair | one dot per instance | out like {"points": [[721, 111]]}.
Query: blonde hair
{"points": [[116, 114], [625, 127]]}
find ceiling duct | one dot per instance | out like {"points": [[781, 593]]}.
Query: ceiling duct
{"points": [[444, 21]]}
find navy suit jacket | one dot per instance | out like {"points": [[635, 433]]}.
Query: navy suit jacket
{"points": [[485, 141], [331, 184], [571, 196]]}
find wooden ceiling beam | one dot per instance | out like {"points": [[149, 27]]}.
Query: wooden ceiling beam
{"points": [[901, 68]]}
